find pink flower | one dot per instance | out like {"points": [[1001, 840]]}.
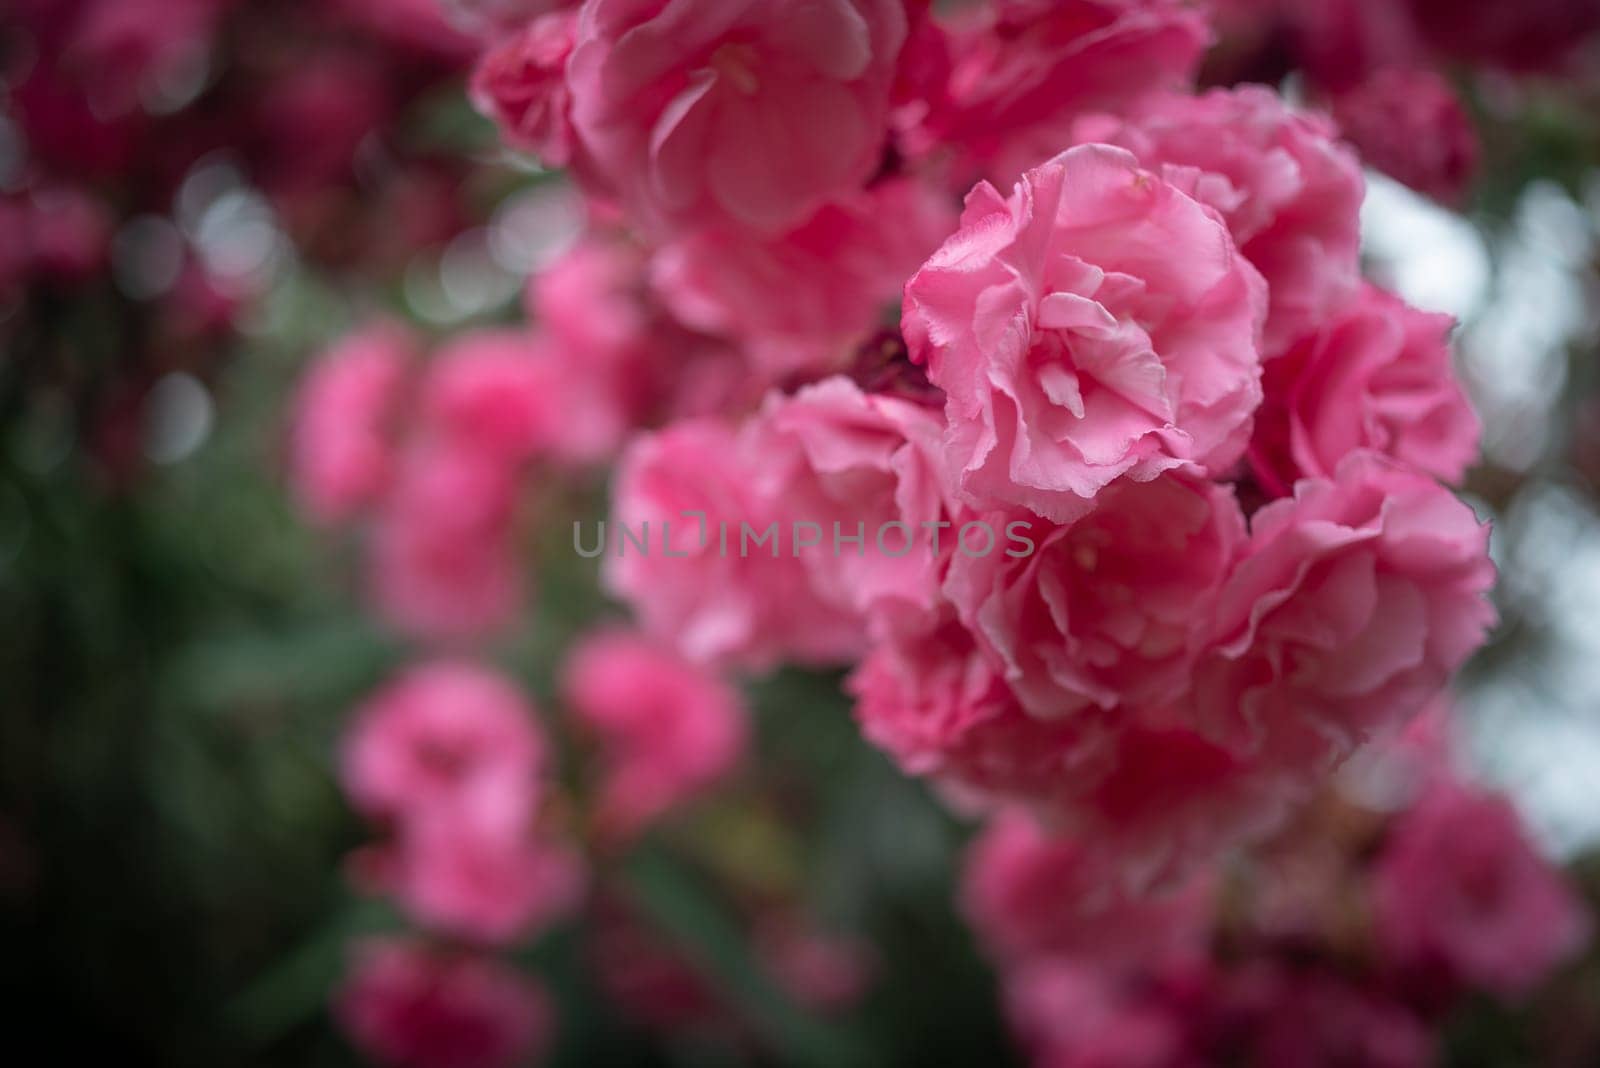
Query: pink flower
{"points": [[1377, 376], [511, 397], [1356, 601], [450, 755], [412, 1007], [1409, 124], [477, 879], [1110, 610], [1290, 192], [1019, 78], [804, 300], [731, 591], [869, 466], [520, 83], [340, 453], [1340, 43], [935, 704], [732, 110], [1099, 324], [1144, 786], [1078, 1014], [667, 729], [1030, 893], [445, 735], [444, 563], [1527, 36], [624, 362], [1460, 889]]}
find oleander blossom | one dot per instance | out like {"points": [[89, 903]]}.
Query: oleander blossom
{"points": [[742, 112], [1460, 890], [1100, 323], [490, 879], [443, 563], [1109, 609], [1072, 1013], [1030, 893], [733, 603], [341, 451], [667, 730], [1289, 189], [446, 734], [489, 391], [936, 705], [622, 360], [1021, 71], [868, 466], [804, 300], [1355, 602], [1154, 795], [412, 1006], [1378, 376], [520, 83], [449, 756], [1409, 124]]}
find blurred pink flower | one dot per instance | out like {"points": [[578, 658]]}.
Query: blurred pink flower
{"points": [[410, 1006], [1031, 893], [1340, 43], [1459, 889], [1112, 609], [801, 302], [728, 602], [1290, 191], [1376, 376], [1357, 600], [667, 729], [520, 82], [444, 563], [1099, 324], [1519, 35], [1022, 70], [731, 110], [935, 704], [446, 735], [487, 391], [1409, 124], [624, 362], [1078, 1014], [340, 448], [469, 875], [833, 454]]}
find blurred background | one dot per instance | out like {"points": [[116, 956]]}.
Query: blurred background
{"points": [[198, 196]]}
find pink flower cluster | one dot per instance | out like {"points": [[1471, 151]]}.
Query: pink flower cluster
{"points": [[666, 730], [435, 452], [978, 352], [1136, 521], [1348, 939], [448, 757]]}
